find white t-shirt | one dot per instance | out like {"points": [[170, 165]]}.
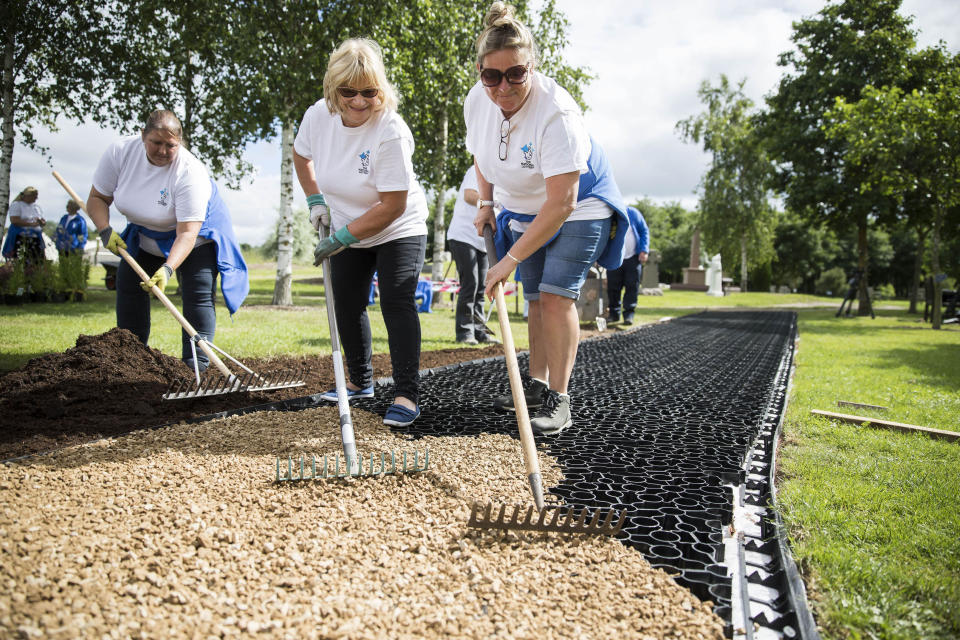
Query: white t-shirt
{"points": [[464, 213], [547, 138], [629, 245], [353, 165], [30, 213], [151, 196]]}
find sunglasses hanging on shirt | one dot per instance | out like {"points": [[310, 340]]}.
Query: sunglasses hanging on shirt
{"points": [[347, 92], [514, 75]]}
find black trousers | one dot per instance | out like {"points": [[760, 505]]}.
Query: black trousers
{"points": [[397, 264], [197, 276], [472, 272], [626, 279]]}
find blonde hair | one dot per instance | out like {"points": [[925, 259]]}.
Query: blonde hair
{"points": [[357, 62], [73, 206], [28, 191], [502, 30], [166, 121]]}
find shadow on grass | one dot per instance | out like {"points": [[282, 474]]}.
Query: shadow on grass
{"points": [[938, 364]]}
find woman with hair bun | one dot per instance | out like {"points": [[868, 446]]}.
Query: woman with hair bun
{"points": [[354, 159], [561, 208]]}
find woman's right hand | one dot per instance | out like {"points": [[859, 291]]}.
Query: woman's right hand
{"points": [[485, 216]]}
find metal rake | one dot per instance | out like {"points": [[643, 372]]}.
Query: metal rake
{"points": [[302, 470], [565, 519]]}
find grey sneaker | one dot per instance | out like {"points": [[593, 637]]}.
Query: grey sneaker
{"points": [[554, 415], [533, 390]]}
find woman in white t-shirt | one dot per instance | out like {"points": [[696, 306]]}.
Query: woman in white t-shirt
{"points": [[561, 208], [25, 236], [354, 159], [176, 221]]}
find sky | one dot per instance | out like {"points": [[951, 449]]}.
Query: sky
{"points": [[649, 58]]}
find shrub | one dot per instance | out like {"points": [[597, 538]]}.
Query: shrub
{"points": [[832, 282], [74, 272], [884, 292]]}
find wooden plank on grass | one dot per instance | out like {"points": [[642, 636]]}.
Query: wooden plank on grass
{"points": [[887, 424]]}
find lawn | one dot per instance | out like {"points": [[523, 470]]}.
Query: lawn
{"points": [[874, 516]]}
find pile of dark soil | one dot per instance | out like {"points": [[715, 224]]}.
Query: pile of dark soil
{"points": [[111, 384]]}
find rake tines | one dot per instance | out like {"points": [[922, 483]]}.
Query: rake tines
{"points": [[565, 519], [279, 380], [308, 469], [214, 384]]}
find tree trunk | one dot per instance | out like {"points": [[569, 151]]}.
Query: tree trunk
{"points": [[6, 112], [863, 298], [917, 265], [935, 264], [436, 273], [743, 262], [282, 294]]}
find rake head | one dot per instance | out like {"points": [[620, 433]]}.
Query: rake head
{"points": [[308, 469], [215, 384], [565, 519]]}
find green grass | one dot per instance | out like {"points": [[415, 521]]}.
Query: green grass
{"points": [[874, 515]]}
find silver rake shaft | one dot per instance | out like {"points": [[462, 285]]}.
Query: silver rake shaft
{"points": [[305, 468], [564, 519]]}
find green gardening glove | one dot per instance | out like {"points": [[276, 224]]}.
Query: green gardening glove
{"points": [[112, 240], [332, 245], [159, 279]]}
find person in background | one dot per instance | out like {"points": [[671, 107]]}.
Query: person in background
{"points": [[626, 278], [562, 210], [353, 155], [25, 235], [470, 254], [176, 220], [72, 230]]}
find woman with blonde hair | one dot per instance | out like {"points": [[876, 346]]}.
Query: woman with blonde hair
{"points": [[353, 155], [561, 208]]}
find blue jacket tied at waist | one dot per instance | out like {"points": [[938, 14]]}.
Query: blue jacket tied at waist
{"points": [[597, 182], [11, 242], [216, 227]]}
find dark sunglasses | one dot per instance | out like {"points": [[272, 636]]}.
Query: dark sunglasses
{"points": [[347, 92], [514, 75]]}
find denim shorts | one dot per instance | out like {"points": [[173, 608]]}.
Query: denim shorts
{"points": [[562, 265]]}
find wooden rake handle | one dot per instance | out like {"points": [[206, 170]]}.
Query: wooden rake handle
{"points": [[516, 385], [203, 344]]}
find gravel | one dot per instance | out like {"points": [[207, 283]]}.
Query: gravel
{"points": [[182, 532]]}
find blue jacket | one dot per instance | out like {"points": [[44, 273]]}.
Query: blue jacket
{"points": [[217, 227], [598, 182], [640, 230], [71, 236], [11, 242]]}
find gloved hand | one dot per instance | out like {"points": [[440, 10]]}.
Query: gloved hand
{"points": [[159, 278], [332, 245], [319, 212], [112, 240]]}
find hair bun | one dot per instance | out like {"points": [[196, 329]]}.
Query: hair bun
{"points": [[498, 13]]}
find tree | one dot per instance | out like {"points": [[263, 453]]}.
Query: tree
{"points": [[39, 82], [671, 229], [906, 143], [841, 50], [735, 214]]}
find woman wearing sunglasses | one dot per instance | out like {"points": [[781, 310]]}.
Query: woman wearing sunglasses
{"points": [[562, 210], [353, 156]]}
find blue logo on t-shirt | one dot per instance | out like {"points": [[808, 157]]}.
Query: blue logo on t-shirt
{"points": [[163, 197], [527, 156], [364, 162]]}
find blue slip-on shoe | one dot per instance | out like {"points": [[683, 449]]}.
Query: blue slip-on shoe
{"points": [[331, 396], [399, 416]]}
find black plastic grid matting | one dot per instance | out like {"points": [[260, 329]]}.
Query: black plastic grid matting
{"points": [[663, 419]]}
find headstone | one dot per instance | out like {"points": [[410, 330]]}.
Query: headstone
{"points": [[715, 277], [590, 303], [650, 275], [694, 277]]}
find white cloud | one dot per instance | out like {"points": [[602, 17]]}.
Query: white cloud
{"points": [[650, 59]]}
